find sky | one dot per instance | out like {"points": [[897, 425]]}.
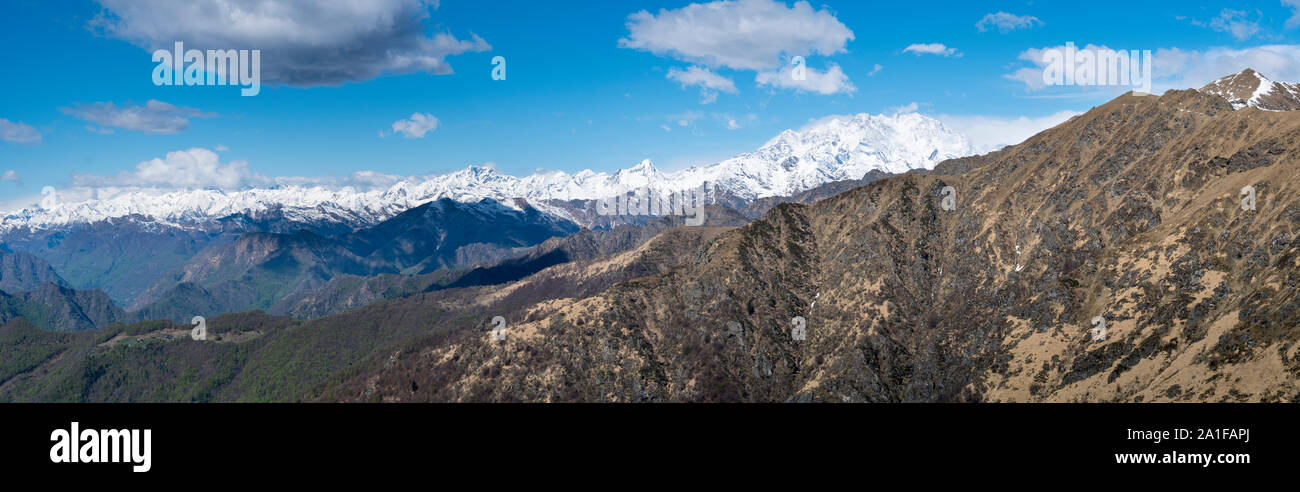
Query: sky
{"points": [[360, 94]]}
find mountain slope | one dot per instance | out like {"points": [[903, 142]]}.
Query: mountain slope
{"points": [[256, 357], [58, 308], [1130, 212], [22, 272]]}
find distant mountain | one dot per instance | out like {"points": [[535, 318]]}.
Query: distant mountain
{"points": [[1252, 89], [429, 237], [58, 308], [22, 272], [123, 256], [260, 270], [835, 149]]}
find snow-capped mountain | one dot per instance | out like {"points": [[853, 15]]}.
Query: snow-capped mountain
{"points": [[834, 149], [1252, 89]]}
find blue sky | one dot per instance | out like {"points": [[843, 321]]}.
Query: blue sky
{"points": [[575, 97]]}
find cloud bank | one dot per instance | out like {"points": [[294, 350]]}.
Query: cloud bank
{"points": [[304, 43]]}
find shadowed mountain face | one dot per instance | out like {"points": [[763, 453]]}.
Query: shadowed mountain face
{"points": [[346, 292], [259, 271], [428, 237], [125, 256], [30, 289], [1129, 215], [22, 272]]}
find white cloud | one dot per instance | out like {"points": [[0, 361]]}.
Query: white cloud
{"points": [[304, 42], [1236, 23], [1294, 21], [415, 127], [686, 118], [155, 116], [742, 34], [906, 108], [831, 81], [710, 83], [187, 169], [989, 133], [1032, 77], [931, 49], [360, 180], [691, 119], [731, 122], [876, 69], [1176, 68], [18, 132], [11, 175], [1182, 69], [1005, 22], [221, 148], [751, 35]]}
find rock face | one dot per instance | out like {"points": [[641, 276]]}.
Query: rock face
{"points": [[1113, 258], [1252, 89]]}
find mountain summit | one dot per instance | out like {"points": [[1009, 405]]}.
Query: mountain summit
{"points": [[1252, 89]]}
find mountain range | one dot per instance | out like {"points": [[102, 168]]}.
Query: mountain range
{"points": [[836, 149], [1143, 251], [134, 244]]}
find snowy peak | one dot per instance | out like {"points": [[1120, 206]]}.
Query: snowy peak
{"points": [[839, 148], [1252, 89]]}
